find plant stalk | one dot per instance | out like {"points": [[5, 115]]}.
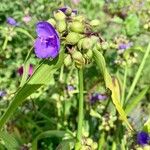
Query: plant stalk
{"points": [[80, 111]]}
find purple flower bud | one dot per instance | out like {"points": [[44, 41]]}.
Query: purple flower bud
{"points": [[47, 44], [142, 138], [64, 10], [2, 93], [26, 19], [11, 21], [20, 70], [97, 97]]}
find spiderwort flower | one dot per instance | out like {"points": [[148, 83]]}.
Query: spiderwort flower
{"points": [[142, 138], [97, 97], [123, 46], [11, 21], [20, 70], [47, 44]]}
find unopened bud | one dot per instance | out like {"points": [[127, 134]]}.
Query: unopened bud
{"points": [[95, 23], [95, 145], [78, 58], [67, 60], [52, 22], [79, 18], [89, 54], [61, 26], [105, 45], [77, 26], [59, 15], [73, 38], [89, 141], [68, 11], [87, 43]]}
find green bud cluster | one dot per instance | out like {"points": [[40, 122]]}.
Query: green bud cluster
{"points": [[77, 35], [107, 123]]}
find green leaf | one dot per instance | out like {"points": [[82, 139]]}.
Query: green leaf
{"points": [[111, 85], [132, 24], [46, 134], [138, 73], [9, 141], [41, 76], [146, 127], [134, 101]]}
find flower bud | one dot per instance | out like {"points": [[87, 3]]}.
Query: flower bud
{"points": [[77, 26], [80, 44], [79, 18], [87, 43], [105, 45], [78, 58], [95, 145], [61, 26], [52, 22], [68, 11], [67, 60], [89, 54], [73, 38], [95, 23], [59, 15], [89, 141]]}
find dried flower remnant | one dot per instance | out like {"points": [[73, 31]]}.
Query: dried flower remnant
{"points": [[143, 138], [26, 19], [76, 2], [20, 70], [47, 44], [11, 21]]}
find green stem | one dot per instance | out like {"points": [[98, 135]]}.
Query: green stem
{"points": [[5, 43], [124, 85], [80, 111], [139, 72]]}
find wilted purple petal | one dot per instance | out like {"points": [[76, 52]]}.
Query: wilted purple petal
{"points": [[142, 138], [47, 44], [20, 70], [12, 21]]}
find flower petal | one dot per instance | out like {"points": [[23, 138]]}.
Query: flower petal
{"points": [[47, 49], [45, 29]]}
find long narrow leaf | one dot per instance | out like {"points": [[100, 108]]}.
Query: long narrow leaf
{"points": [[110, 84], [134, 101], [41, 76]]}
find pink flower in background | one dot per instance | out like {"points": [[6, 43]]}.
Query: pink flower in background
{"points": [[76, 2], [26, 19], [20, 70]]}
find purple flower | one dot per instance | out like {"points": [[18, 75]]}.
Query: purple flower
{"points": [[47, 44], [12, 21], [97, 97], [142, 138], [123, 46], [2, 93], [26, 19], [20, 70], [70, 88]]}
